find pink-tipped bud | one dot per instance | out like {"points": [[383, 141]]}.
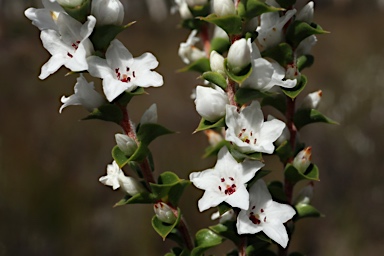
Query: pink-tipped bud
{"points": [[312, 100], [164, 212], [302, 160], [214, 138]]}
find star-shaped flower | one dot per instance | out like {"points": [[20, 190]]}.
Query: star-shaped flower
{"points": [[248, 131], [265, 215], [84, 95], [69, 46], [188, 52], [225, 182], [121, 72]]}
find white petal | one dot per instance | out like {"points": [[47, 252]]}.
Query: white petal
{"points": [[117, 55], [150, 115], [249, 169], [277, 232], [52, 42], [146, 78], [99, 67], [207, 179], [41, 18], [240, 198], [53, 64], [245, 226], [210, 199], [269, 132], [113, 88], [69, 28], [87, 28], [78, 62]]}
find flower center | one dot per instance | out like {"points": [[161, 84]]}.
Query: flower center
{"points": [[125, 76], [247, 136], [229, 186], [74, 45], [256, 217]]}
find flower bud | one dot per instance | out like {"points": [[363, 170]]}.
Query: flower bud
{"points": [[306, 45], [302, 160], [130, 185], [164, 212], [150, 115], [312, 100], [125, 144], [214, 138], [108, 12], [70, 3], [210, 103], [292, 72], [228, 215], [239, 56], [224, 7], [306, 14], [188, 52], [305, 195], [217, 63]]}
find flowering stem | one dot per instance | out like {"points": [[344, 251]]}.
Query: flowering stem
{"points": [[184, 231], [129, 129], [243, 246], [205, 38], [231, 90]]}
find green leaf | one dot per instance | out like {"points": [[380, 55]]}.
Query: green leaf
{"points": [[276, 189], [141, 198], [214, 150], [278, 101], [200, 10], [227, 230], [205, 124], [293, 175], [205, 239], [106, 112], [126, 97], [238, 78], [299, 30], [102, 36], [305, 61], [286, 3], [223, 208], [164, 229], [284, 151], [294, 92], [307, 116], [79, 12], [239, 156], [150, 131], [121, 159], [169, 188], [192, 24], [306, 211], [232, 24], [201, 65], [245, 95], [220, 45], [254, 8], [215, 78], [282, 53]]}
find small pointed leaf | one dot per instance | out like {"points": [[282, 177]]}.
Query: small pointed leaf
{"points": [[205, 239], [238, 78], [304, 61], [299, 30], [164, 229], [150, 131], [200, 65], [282, 53], [205, 124], [254, 8], [227, 230], [245, 95], [307, 116], [294, 92], [106, 112], [278, 101], [220, 45], [141, 198], [306, 211], [215, 78], [232, 24], [293, 175]]}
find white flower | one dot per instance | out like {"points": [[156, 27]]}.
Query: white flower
{"points": [[70, 3], [271, 28], [312, 100], [265, 215], [150, 115], [303, 159], [69, 46], [265, 74], [210, 103], [248, 131], [225, 182], [108, 12], [214, 138], [45, 18], [223, 7], [306, 14], [218, 32], [216, 62], [126, 144], [183, 8], [306, 45], [188, 52], [121, 72], [84, 95], [164, 212], [239, 55], [116, 178]]}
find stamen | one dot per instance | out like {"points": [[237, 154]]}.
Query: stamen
{"points": [[222, 179], [69, 55]]}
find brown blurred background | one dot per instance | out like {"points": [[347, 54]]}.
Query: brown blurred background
{"points": [[51, 202]]}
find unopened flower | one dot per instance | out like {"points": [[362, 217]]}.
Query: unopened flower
{"points": [[116, 179], [84, 95], [45, 18], [306, 45], [150, 115], [228, 215], [217, 63], [69, 46], [305, 195], [265, 215], [248, 131], [312, 100], [225, 182], [224, 7], [188, 52], [108, 12], [126, 144], [182, 7], [271, 28], [121, 72], [265, 74], [306, 14], [211, 103], [214, 138], [302, 160], [164, 212], [70, 3], [239, 56], [292, 72]]}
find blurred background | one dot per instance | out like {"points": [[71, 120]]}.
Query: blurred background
{"points": [[51, 202]]}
